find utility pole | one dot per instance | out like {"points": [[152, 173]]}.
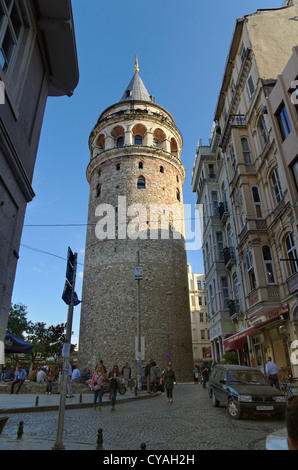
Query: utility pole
{"points": [[68, 297]]}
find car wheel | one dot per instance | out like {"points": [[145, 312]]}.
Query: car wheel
{"points": [[215, 401], [234, 409]]}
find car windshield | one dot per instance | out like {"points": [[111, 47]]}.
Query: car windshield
{"points": [[246, 377]]}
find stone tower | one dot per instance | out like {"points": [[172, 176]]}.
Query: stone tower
{"points": [[135, 207]]}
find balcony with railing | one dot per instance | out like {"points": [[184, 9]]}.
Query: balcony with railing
{"points": [[234, 121], [223, 211], [233, 307], [229, 256]]}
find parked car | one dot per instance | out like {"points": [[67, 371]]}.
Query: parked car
{"points": [[160, 385], [244, 390]]}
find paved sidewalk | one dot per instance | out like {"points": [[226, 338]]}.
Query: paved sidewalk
{"points": [[28, 403]]}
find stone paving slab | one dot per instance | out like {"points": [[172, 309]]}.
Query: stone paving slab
{"points": [[190, 424]]}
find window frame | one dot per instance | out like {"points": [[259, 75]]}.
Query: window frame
{"points": [[246, 152], [225, 291], [20, 60], [277, 189], [141, 183], [267, 264], [257, 203], [250, 87], [291, 250], [251, 270], [138, 139], [283, 121]]}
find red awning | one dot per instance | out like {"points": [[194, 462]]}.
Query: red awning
{"points": [[238, 340]]}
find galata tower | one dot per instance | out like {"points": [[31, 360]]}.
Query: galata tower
{"points": [[135, 220]]}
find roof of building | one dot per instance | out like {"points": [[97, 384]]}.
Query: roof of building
{"points": [[136, 89], [56, 25]]}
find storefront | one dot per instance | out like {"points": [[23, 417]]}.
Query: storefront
{"points": [[240, 343], [271, 338]]}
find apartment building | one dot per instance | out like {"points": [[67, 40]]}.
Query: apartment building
{"points": [[38, 58], [254, 189], [198, 316], [224, 287], [262, 203]]}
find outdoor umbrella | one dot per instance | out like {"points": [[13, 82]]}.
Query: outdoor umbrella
{"points": [[16, 345]]}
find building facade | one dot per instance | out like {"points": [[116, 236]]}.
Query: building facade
{"points": [[37, 59], [263, 203], [136, 175], [223, 277], [198, 317]]}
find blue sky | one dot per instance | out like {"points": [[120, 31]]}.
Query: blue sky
{"points": [[182, 47]]}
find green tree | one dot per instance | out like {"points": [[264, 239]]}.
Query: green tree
{"points": [[36, 334], [17, 320], [54, 340]]}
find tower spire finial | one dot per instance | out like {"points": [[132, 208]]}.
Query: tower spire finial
{"points": [[136, 64]]}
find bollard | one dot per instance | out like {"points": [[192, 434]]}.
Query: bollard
{"points": [[143, 446], [36, 400], [81, 398], [99, 440], [20, 430]]}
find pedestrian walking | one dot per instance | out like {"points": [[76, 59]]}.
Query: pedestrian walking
{"points": [[147, 374], [50, 377], [126, 374], [114, 377], [272, 373], [196, 374], [169, 379], [97, 386], [205, 374], [153, 377]]}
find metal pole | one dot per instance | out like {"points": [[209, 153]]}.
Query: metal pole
{"points": [[59, 437]]}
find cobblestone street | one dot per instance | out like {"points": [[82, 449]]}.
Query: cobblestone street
{"points": [[190, 423]]}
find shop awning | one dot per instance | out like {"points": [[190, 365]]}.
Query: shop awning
{"points": [[238, 340]]}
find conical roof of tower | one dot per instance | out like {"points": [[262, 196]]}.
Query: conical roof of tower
{"points": [[136, 89]]}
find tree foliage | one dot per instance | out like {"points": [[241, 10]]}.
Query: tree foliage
{"points": [[48, 342], [17, 320]]}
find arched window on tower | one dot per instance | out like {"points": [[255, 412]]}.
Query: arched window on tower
{"points": [[140, 165], [141, 183], [120, 141], [138, 140], [178, 194]]}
